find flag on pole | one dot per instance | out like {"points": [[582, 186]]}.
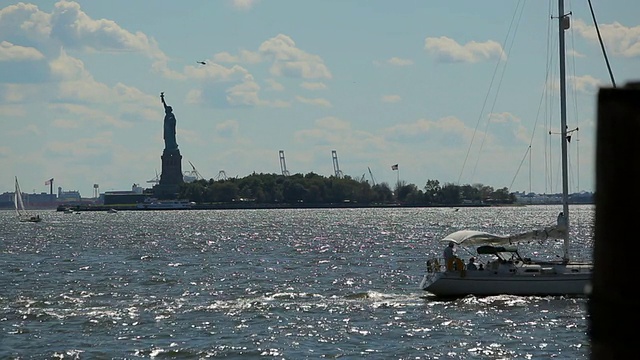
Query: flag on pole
{"points": [[49, 182], [394, 167]]}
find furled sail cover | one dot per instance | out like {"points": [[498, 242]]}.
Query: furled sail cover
{"points": [[472, 237]]}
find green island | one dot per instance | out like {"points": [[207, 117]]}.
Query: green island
{"points": [[266, 191]]}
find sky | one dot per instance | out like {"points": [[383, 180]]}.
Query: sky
{"points": [[462, 92]]}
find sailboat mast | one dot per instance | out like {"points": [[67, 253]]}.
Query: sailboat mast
{"points": [[563, 24]]}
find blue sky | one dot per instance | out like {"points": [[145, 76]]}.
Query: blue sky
{"points": [[454, 91]]}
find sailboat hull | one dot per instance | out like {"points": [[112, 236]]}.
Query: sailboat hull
{"points": [[568, 280], [27, 218]]}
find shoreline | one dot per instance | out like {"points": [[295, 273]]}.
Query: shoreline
{"points": [[244, 206]]}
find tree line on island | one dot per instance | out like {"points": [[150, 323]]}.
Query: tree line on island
{"points": [[314, 189]]}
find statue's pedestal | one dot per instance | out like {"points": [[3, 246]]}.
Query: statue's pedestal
{"points": [[171, 176]]}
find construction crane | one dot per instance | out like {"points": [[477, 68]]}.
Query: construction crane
{"points": [[336, 167], [373, 181], [191, 176], [283, 164], [155, 180], [221, 175]]}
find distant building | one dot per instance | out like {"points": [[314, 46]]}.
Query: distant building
{"points": [[42, 200], [68, 196], [135, 196], [547, 199]]}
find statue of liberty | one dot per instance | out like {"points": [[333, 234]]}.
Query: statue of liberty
{"points": [[169, 126]]}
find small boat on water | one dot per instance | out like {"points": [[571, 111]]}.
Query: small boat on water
{"points": [[507, 272], [155, 204], [21, 212], [112, 211]]}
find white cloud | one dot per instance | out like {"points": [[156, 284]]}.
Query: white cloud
{"points": [[316, 101], [619, 39], [586, 84], [391, 98], [227, 129], [29, 130], [11, 52], [243, 5], [448, 50], [217, 72], [75, 29], [274, 85], [245, 93], [12, 111], [333, 123], [313, 86], [400, 62], [290, 61], [245, 56], [25, 20]]}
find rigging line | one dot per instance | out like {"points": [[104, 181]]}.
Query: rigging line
{"points": [[576, 115], [495, 99], [578, 160], [520, 166], [484, 104], [604, 52], [552, 42], [530, 173], [541, 104]]}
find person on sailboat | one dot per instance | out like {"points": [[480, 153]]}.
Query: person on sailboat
{"points": [[471, 265], [449, 255], [562, 221]]}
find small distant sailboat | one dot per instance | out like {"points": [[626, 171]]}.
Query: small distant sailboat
{"points": [[21, 212]]}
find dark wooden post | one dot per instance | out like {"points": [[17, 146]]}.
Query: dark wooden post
{"points": [[612, 309]]}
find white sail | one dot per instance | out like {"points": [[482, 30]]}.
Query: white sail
{"points": [[17, 200], [21, 212]]}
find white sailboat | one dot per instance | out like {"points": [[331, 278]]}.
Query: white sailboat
{"points": [[510, 273], [21, 212]]}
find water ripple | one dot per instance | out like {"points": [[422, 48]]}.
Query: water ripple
{"points": [[284, 284]]}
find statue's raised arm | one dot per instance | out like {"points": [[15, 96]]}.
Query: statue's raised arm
{"points": [[162, 98]]}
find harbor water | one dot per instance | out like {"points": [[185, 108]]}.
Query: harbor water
{"points": [[271, 284]]}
